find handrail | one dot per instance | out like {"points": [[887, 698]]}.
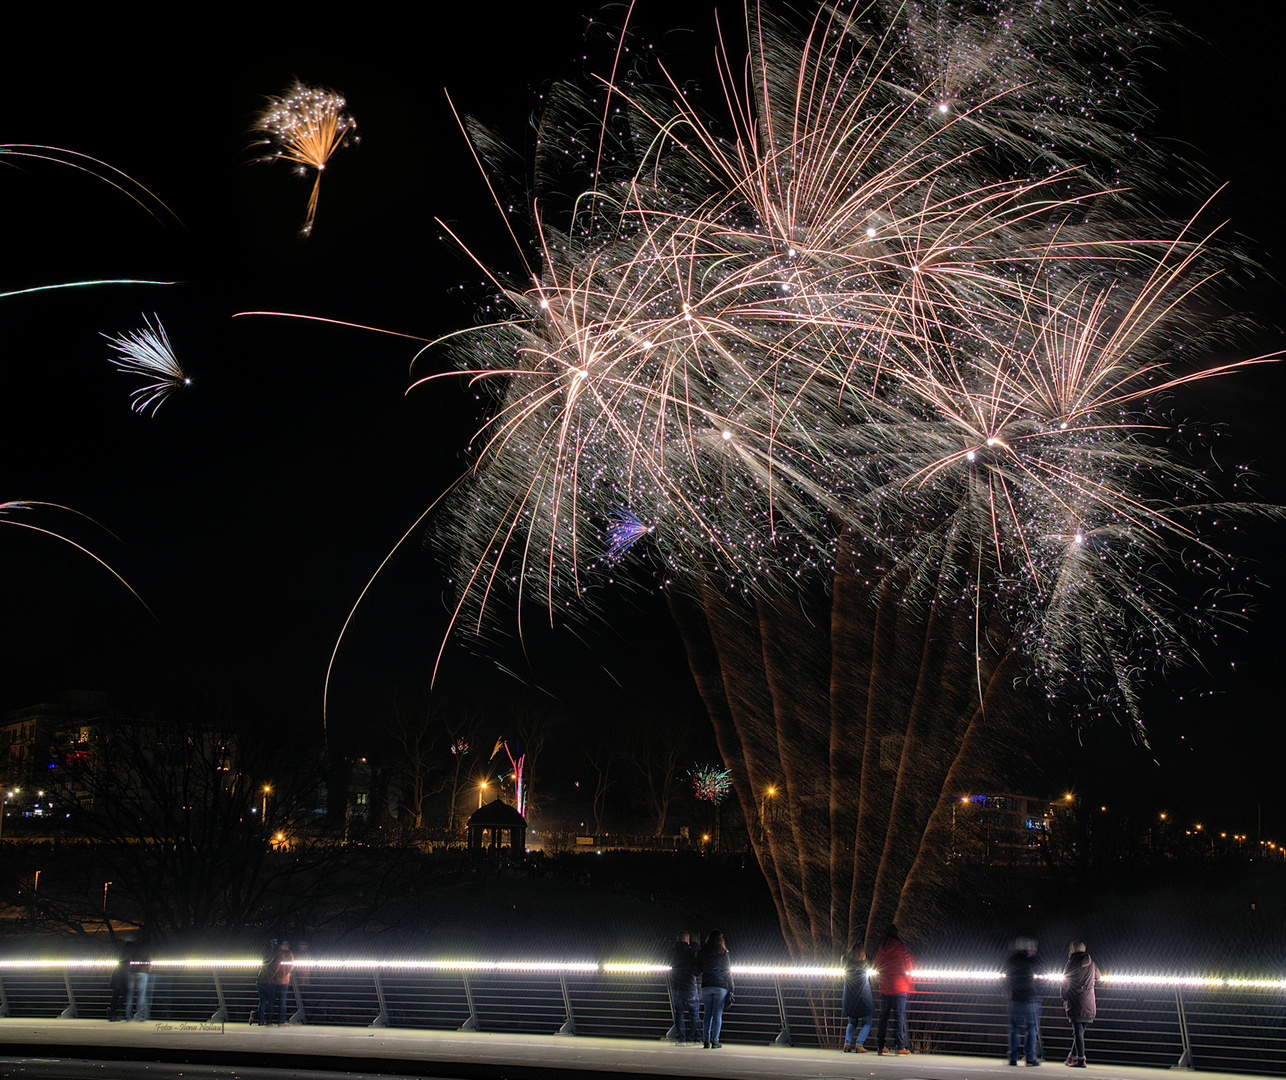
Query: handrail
{"points": [[1220, 1021], [608, 967]]}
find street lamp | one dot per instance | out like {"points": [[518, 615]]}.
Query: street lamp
{"points": [[4, 803], [106, 885], [267, 788], [763, 810], [482, 787]]}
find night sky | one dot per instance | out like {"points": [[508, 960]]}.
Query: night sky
{"points": [[252, 509]]}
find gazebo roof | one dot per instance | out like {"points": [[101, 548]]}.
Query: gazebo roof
{"points": [[498, 813]]}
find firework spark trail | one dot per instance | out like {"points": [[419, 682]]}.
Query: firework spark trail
{"points": [[147, 353], [305, 126], [92, 166], [893, 327], [8, 517]]}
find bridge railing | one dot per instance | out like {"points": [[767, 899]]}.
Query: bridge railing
{"points": [[1230, 1025]]}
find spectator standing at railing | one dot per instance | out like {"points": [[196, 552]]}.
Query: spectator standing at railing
{"points": [[1024, 1000], [116, 984], [138, 966], [685, 990], [285, 968], [893, 966], [266, 984], [858, 1003], [1077, 993], [716, 986]]}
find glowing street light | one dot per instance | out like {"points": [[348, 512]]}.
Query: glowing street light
{"points": [[3, 803], [106, 886], [267, 790], [482, 787], [769, 792]]}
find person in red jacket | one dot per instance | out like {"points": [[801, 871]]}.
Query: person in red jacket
{"points": [[893, 963]]}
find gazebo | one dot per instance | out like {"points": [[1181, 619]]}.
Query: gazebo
{"points": [[490, 822]]}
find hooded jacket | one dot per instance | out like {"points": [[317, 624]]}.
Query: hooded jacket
{"points": [[1078, 987]]}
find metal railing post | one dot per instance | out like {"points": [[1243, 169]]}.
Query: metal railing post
{"points": [[382, 1019], [569, 1021], [673, 1033], [4, 1001], [299, 1016], [1185, 1059], [783, 1036], [70, 1012], [221, 1014], [472, 1023]]}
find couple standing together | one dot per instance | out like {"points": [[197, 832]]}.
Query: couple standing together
{"points": [[893, 965], [700, 976]]}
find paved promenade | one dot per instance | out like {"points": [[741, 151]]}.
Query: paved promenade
{"points": [[467, 1055]]}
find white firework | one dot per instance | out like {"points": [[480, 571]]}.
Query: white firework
{"points": [[147, 352]]}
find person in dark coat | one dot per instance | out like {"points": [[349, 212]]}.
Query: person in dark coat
{"points": [[1024, 1001], [893, 965], [716, 986], [685, 991], [858, 1003], [1077, 993], [266, 985]]}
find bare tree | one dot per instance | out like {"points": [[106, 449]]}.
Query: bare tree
{"points": [[198, 824], [416, 734], [602, 755], [656, 749]]}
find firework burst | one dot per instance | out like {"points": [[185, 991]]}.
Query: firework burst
{"points": [[305, 126], [711, 783], [147, 353], [887, 334]]}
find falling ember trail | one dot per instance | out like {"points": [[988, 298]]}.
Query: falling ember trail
{"points": [[876, 365]]}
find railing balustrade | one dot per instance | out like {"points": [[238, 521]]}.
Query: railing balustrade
{"points": [[1229, 1025]]}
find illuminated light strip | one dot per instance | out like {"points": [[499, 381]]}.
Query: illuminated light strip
{"points": [[1162, 980], [18, 964], [449, 965], [635, 968], [198, 962]]}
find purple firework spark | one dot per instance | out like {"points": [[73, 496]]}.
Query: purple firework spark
{"points": [[623, 530]]}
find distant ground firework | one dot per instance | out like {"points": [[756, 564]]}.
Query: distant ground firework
{"points": [[305, 126], [147, 353], [880, 360], [711, 783]]}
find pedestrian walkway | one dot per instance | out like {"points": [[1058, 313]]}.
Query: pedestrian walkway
{"points": [[482, 1055]]}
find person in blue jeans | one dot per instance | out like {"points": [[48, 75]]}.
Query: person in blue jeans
{"points": [[858, 1003], [138, 965], [716, 986], [285, 968], [266, 985], [1024, 1001], [893, 965]]}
